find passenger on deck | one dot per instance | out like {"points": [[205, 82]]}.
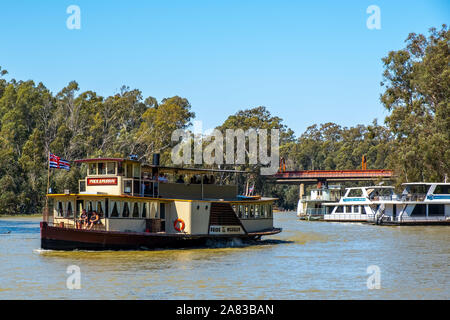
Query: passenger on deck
{"points": [[180, 179], [93, 219], [83, 220]]}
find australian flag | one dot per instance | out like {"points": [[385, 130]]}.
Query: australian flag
{"points": [[58, 163]]}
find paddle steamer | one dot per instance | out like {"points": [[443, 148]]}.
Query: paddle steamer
{"points": [[143, 206]]}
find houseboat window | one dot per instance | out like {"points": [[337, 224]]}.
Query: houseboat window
{"points": [[111, 168], [69, 209], [136, 210], [60, 209], [269, 211], [436, 210], [339, 209], [355, 193], [101, 168], [129, 172], [162, 210], [119, 168], [126, 210], [442, 189], [92, 169], [144, 210], [115, 211], [263, 211], [136, 171], [361, 210], [419, 210], [420, 189], [252, 211]]}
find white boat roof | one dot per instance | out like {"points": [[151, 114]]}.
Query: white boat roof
{"points": [[373, 187], [426, 183]]}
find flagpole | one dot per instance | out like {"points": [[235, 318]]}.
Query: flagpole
{"points": [[46, 192]]}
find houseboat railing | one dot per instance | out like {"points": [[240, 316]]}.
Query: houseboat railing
{"points": [[316, 211], [339, 216], [320, 198], [413, 197]]}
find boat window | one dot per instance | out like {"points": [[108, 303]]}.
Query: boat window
{"points": [[90, 207], [240, 210], [252, 211], [270, 211], [263, 211], [106, 208], [420, 189], [127, 185], [119, 168], [92, 169], [436, 210], [256, 210], [419, 210], [355, 193], [69, 209], [442, 189], [339, 209], [129, 172], [114, 211], [99, 208], [60, 209], [101, 168], [361, 210], [126, 210], [162, 210], [111, 168], [246, 212], [136, 210], [82, 185], [136, 171], [144, 210]]}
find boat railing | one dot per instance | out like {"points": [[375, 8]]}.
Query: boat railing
{"points": [[350, 216], [73, 226], [413, 197], [316, 211], [321, 198]]}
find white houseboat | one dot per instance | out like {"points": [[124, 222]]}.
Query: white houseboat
{"points": [[360, 204], [311, 207], [123, 204], [421, 203]]}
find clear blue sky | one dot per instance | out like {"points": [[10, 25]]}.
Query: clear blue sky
{"points": [[307, 61]]}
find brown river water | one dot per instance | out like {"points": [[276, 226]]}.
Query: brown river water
{"points": [[308, 260]]}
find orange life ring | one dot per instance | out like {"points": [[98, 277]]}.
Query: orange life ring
{"points": [[179, 228]]}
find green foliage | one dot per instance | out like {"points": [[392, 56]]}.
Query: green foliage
{"points": [[417, 94]]}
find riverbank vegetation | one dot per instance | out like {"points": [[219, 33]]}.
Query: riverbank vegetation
{"points": [[413, 141]]}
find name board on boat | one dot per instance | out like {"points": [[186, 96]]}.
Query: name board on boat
{"points": [[225, 230], [102, 181]]}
